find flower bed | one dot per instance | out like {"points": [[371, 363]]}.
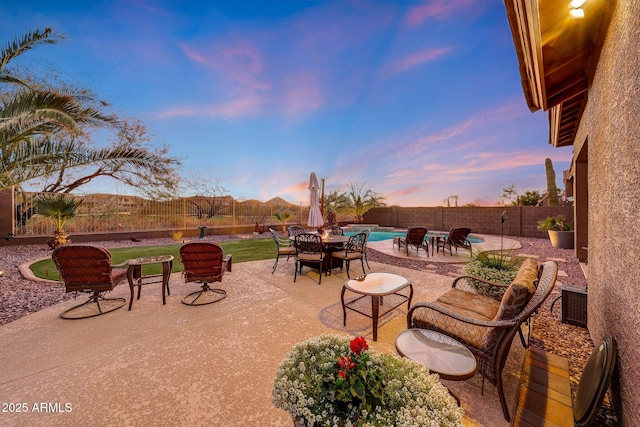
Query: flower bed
{"points": [[333, 380]]}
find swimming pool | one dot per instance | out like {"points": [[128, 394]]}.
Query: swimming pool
{"points": [[377, 236]]}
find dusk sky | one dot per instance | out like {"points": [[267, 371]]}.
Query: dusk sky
{"points": [[417, 100]]}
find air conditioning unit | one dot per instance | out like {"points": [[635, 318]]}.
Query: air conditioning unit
{"points": [[574, 304]]}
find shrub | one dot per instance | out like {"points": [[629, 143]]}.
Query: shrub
{"points": [[495, 266], [556, 223]]}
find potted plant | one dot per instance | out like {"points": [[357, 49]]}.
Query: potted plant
{"points": [[61, 208], [283, 218], [333, 380], [560, 231]]}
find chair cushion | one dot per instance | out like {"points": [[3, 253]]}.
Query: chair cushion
{"points": [[118, 275], [519, 291], [349, 256], [478, 304], [466, 333], [286, 250], [527, 274], [310, 256]]}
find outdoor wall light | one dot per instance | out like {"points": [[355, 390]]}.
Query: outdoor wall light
{"points": [[575, 9], [576, 13]]}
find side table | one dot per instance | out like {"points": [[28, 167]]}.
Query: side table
{"points": [[136, 278], [440, 353], [376, 286]]}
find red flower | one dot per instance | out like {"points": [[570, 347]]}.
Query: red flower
{"points": [[346, 363], [342, 374], [358, 344]]}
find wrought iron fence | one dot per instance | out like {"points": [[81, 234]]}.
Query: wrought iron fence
{"points": [[108, 212]]}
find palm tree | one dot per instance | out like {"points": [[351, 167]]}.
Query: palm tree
{"points": [[283, 217], [361, 200], [19, 46], [39, 124], [61, 208]]}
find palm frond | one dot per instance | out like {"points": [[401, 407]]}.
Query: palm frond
{"points": [[28, 41]]}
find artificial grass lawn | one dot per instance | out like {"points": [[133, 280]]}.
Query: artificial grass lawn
{"points": [[241, 251]]}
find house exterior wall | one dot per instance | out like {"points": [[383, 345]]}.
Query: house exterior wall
{"points": [[611, 128]]}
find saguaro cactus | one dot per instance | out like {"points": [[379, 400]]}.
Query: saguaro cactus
{"points": [[552, 188]]}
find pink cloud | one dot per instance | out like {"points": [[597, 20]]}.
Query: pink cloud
{"points": [[403, 192], [437, 9], [302, 92], [414, 60], [235, 108], [238, 62]]}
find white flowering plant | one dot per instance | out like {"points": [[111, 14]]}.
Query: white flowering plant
{"points": [[334, 380]]}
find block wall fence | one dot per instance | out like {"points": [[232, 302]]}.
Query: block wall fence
{"points": [[522, 222]]}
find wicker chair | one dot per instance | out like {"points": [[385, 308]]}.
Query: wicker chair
{"points": [[309, 250], [414, 238], [88, 269], [283, 247], [457, 238], [485, 326], [354, 249], [204, 263]]}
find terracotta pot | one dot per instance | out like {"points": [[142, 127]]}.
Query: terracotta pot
{"points": [[561, 239]]}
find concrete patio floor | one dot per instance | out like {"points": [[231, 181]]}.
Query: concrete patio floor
{"points": [[211, 365]]}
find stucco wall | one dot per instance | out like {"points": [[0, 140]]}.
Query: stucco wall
{"points": [[523, 220], [611, 126]]}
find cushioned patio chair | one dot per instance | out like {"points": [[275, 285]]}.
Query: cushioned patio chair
{"points": [[486, 326], [457, 238], [204, 263], [309, 250], [414, 238], [354, 249], [87, 268], [284, 247]]}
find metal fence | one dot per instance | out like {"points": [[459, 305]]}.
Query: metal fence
{"points": [[108, 212]]}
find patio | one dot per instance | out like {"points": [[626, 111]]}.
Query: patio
{"points": [[210, 365]]}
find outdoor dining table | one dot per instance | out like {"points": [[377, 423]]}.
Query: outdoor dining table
{"points": [[330, 243]]}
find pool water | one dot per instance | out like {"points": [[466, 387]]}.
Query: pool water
{"points": [[377, 236]]}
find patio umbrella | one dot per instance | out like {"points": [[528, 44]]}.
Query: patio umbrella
{"points": [[315, 216]]}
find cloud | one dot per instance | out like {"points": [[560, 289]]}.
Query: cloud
{"points": [[437, 9], [238, 62], [235, 108], [414, 60], [303, 92]]}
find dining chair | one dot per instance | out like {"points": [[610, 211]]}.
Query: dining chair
{"points": [[294, 230], [354, 249], [283, 248], [309, 250]]}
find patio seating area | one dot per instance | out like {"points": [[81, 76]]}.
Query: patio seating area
{"points": [[210, 365], [489, 243]]}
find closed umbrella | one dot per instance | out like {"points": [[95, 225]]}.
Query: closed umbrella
{"points": [[315, 216]]}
